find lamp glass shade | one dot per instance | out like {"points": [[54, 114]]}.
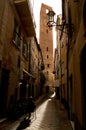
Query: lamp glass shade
{"points": [[50, 17]]}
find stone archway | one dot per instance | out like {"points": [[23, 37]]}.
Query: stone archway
{"points": [[83, 82]]}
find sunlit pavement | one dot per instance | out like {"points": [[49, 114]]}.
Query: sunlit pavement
{"points": [[48, 116]]}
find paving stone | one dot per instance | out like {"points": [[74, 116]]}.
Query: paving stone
{"points": [[49, 116]]}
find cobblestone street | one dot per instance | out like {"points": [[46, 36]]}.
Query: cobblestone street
{"points": [[48, 116]]}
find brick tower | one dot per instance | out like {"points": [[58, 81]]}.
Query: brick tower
{"points": [[46, 43]]}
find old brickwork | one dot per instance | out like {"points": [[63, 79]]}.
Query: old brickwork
{"points": [[46, 38], [46, 44]]}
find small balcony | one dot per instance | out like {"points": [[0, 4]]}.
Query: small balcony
{"points": [[25, 12]]}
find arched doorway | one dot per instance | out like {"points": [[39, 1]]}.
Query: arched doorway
{"points": [[83, 83]]}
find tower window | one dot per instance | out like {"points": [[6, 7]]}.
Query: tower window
{"points": [[48, 65], [47, 31], [47, 48], [47, 56], [46, 11]]}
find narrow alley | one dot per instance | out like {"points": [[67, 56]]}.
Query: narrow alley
{"points": [[49, 115]]}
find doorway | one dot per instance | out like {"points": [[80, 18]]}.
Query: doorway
{"points": [[4, 92]]}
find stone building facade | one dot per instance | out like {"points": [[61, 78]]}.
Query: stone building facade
{"points": [[74, 38], [35, 67], [17, 28]]}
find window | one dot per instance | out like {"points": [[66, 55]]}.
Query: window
{"points": [[46, 11], [47, 75], [16, 34], [18, 61], [47, 31], [47, 48], [25, 48], [48, 65], [47, 56]]}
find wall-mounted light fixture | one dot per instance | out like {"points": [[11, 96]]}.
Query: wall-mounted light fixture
{"points": [[50, 18], [51, 22]]}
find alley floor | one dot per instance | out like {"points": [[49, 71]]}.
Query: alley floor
{"points": [[49, 115]]}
